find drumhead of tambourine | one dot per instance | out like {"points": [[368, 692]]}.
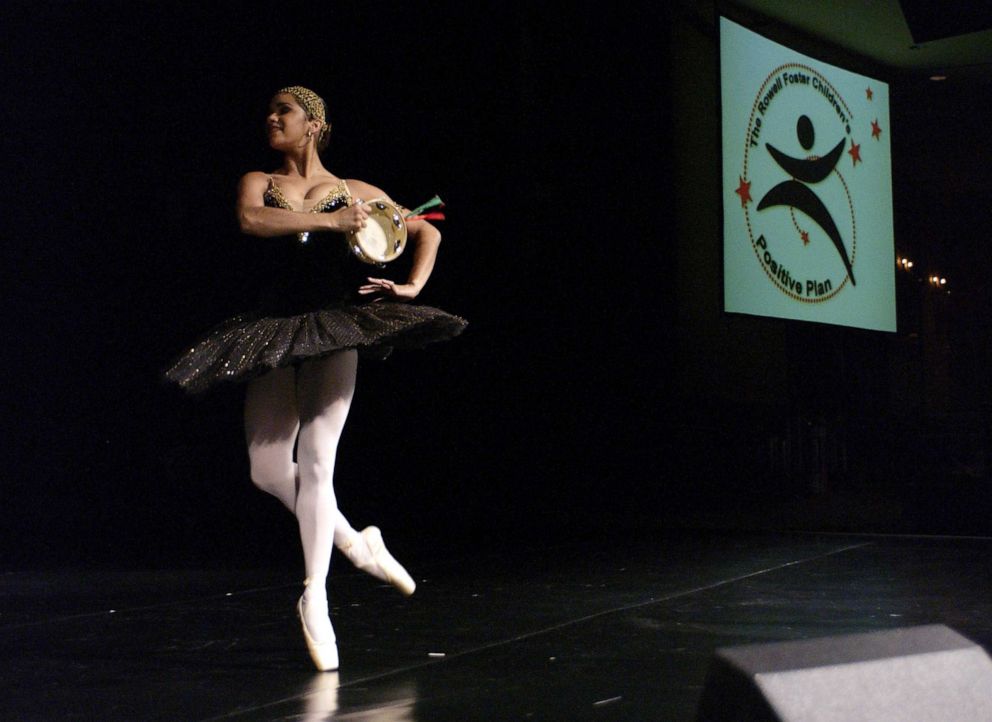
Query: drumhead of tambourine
{"points": [[384, 236]]}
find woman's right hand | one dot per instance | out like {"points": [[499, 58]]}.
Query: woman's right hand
{"points": [[352, 218]]}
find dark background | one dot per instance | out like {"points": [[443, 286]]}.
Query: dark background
{"points": [[599, 387]]}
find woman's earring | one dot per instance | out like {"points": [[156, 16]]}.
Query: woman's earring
{"points": [[309, 134]]}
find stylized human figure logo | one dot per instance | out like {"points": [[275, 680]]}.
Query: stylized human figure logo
{"points": [[795, 194]]}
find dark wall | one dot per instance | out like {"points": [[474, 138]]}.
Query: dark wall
{"points": [[547, 134], [598, 387], [846, 428]]}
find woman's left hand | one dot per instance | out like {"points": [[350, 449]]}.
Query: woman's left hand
{"points": [[388, 289]]}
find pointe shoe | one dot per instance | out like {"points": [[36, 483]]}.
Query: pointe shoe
{"points": [[380, 563], [323, 654]]}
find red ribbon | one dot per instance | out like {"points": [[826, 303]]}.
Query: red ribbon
{"points": [[427, 217]]}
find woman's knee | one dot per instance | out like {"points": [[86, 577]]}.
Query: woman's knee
{"points": [[270, 475], [317, 471]]}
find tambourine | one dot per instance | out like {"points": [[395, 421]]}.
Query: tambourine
{"points": [[384, 236]]}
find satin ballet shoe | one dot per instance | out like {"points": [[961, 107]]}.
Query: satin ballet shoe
{"points": [[379, 562], [323, 654]]}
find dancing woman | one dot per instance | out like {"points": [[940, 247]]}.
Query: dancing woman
{"points": [[298, 349]]}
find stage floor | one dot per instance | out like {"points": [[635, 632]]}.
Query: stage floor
{"points": [[615, 630]]}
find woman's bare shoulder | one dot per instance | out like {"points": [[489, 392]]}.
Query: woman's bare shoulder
{"points": [[363, 190], [254, 179], [252, 188]]}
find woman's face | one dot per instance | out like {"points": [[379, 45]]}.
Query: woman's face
{"points": [[287, 123]]}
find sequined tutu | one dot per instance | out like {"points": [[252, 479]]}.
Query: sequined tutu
{"points": [[246, 346]]}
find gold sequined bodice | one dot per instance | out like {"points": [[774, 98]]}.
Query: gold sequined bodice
{"points": [[337, 197]]}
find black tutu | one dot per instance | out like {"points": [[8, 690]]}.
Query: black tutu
{"points": [[306, 308], [246, 346]]}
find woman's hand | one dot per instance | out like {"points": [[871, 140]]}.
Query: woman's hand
{"points": [[390, 290], [352, 218]]}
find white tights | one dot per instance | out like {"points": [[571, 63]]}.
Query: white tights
{"points": [[305, 407]]}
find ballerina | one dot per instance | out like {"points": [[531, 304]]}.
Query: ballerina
{"points": [[298, 348]]}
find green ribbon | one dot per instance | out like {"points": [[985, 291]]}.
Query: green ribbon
{"points": [[432, 203]]}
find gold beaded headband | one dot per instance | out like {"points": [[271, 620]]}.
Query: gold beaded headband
{"points": [[309, 100]]}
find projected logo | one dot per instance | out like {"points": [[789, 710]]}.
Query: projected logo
{"points": [[797, 204]]}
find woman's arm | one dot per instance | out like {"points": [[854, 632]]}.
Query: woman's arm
{"points": [[257, 219], [425, 240]]}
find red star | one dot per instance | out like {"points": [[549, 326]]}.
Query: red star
{"points": [[868, 93], [876, 130], [744, 191], [805, 236], [855, 153]]}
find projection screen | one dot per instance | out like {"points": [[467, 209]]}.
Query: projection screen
{"points": [[807, 187]]}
